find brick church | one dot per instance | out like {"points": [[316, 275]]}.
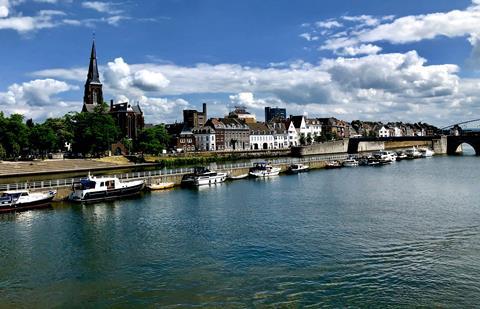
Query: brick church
{"points": [[129, 118]]}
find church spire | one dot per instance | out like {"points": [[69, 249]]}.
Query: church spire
{"points": [[93, 87], [93, 75]]}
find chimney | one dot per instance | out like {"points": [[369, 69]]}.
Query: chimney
{"points": [[205, 110], [111, 104]]}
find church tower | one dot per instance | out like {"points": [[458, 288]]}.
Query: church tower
{"points": [[93, 95]]}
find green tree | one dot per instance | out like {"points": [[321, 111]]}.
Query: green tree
{"points": [[94, 132], [309, 138], [302, 139], [153, 140], [43, 139]]}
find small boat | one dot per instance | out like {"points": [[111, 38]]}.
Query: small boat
{"points": [[92, 189], [401, 155], [297, 168], [264, 169], [426, 152], [385, 157], [20, 200], [413, 153], [242, 176], [350, 162], [160, 186], [203, 176], [333, 164]]}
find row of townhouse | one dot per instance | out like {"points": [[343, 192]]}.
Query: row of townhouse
{"points": [[234, 134], [397, 129]]}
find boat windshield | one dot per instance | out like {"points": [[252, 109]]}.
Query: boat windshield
{"points": [[87, 184]]}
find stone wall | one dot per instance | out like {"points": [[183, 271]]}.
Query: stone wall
{"points": [[321, 148]]}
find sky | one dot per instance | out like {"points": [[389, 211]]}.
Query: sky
{"points": [[376, 60]]}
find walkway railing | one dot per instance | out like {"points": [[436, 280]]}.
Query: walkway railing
{"points": [[59, 183]]}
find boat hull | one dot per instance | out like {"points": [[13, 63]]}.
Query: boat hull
{"points": [[264, 173], [44, 203], [109, 194], [161, 186]]}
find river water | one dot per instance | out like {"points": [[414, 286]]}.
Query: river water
{"points": [[407, 234]]}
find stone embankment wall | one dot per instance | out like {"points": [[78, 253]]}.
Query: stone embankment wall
{"points": [[370, 146], [321, 148]]}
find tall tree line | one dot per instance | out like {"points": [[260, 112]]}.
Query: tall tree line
{"points": [[89, 134]]}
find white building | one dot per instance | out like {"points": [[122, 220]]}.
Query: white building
{"points": [[204, 138], [383, 132], [261, 137], [280, 135], [313, 127], [396, 131], [293, 136]]}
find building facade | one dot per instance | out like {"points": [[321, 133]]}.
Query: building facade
{"points": [[195, 119], [205, 138], [276, 113], [261, 137]]}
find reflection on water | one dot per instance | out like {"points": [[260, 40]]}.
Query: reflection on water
{"points": [[405, 234]]}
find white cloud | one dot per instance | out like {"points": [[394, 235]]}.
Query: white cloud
{"points": [[43, 20], [328, 24], [149, 81], [363, 49], [407, 29], [4, 8], [102, 7], [37, 98]]}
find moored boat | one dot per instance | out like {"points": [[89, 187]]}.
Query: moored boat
{"points": [[160, 186], [92, 189], [351, 162], [413, 153], [426, 152], [236, 177], [264, 169], [333, 164], [297, 168], [19, 200], [203, 176], [401, 155]]}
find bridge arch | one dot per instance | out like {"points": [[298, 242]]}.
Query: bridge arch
{"points": [[454, 142]]}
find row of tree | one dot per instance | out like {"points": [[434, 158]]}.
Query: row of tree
{"points": [[88, 134]]}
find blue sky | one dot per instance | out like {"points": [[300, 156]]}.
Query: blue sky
{"points": [[372, 60]]}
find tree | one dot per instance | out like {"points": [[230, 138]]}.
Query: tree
{"points": [[43, 139], [302, 139], [94, 132], [153, 140], [309, 138]]}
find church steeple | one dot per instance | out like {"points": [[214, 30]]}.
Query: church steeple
{"points": [[93, 87], [93, 75]]}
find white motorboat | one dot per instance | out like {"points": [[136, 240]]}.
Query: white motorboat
{"points": [[350, 162], [24, 199], [426, 152], [264, 169], [413, 153], [203, 176], [91, 189], [298, 168], [385, 157]]}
